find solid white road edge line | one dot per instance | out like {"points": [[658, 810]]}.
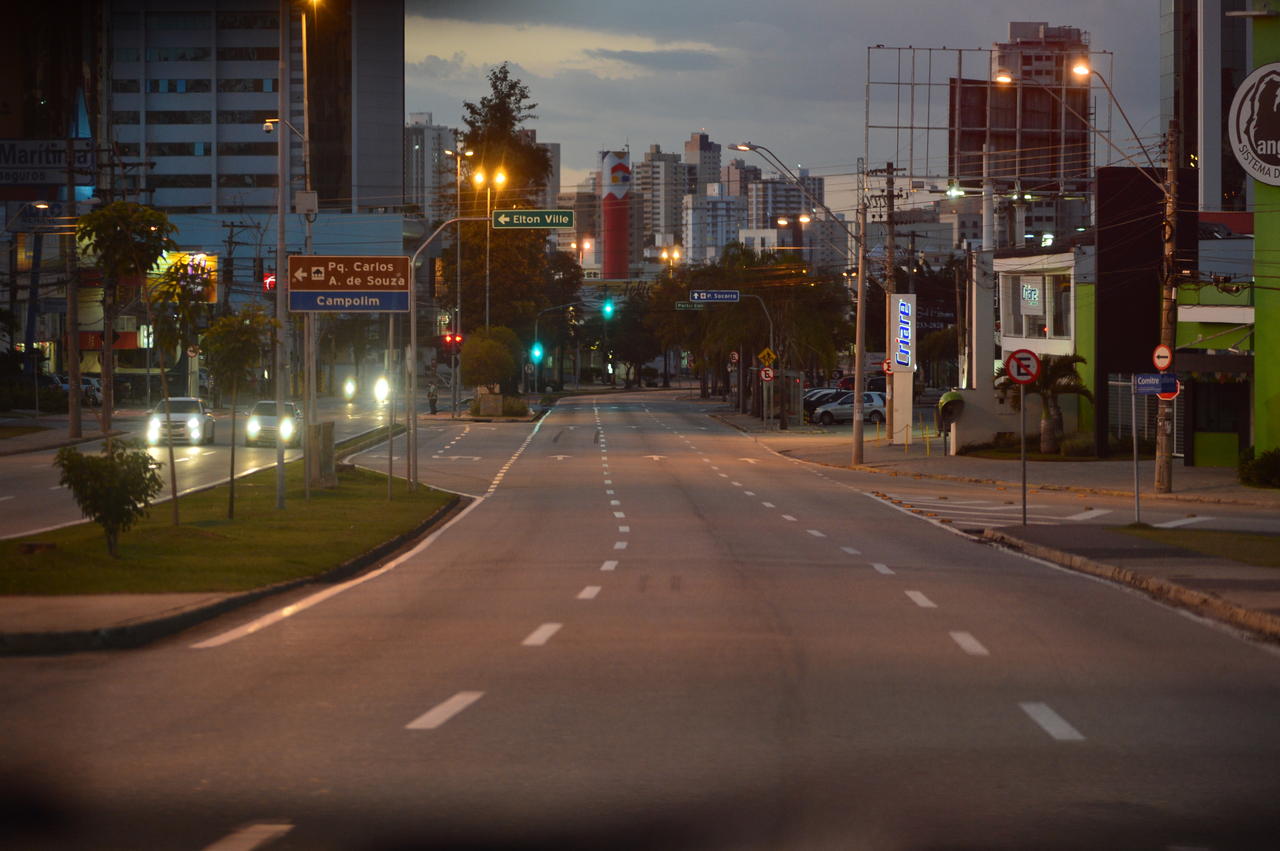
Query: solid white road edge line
{"points": [[1051, 722], [249, 837], [434, 717]]}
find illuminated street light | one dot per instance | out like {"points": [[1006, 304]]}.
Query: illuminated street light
{"points": [[458, 155], [479, 179]]}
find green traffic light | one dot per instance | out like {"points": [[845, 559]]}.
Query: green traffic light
{"points": [[536, 352], [607, 310]]}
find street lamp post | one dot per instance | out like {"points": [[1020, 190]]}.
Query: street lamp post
{"points": [[457, 313], [499, 178]]}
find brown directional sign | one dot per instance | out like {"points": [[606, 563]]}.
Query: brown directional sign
{"points": [[351, 283]]}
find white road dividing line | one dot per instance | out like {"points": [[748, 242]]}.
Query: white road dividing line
{"points": [[621, 515], [1051, 722], [851, 551], [56, 487], [750, 493], [609, 565], [615, 502], [589, 593], [608, 492], [921, 600], [1089, 515], [969, 644], [815, 533], [250, 836], [624, 529], [736, 484], [882, 568], [608, 481], [1181, 521], [211, 452], [441, 713], [788, 518], [541, 635], [619, 545], [768, 505]]}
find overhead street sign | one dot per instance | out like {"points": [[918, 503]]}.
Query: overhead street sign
{"points": [[1153, 383], [533, 218], [349, 284], [727, 296], [1022, 365], [689, 305]]}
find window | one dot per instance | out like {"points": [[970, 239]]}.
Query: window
{"points": [[179, 149], [125, 86], [177, 54], [178, 20], [245, 116], [246, 181], [179, 116], [247, 149], [247, 21], [179, 181], [126, 54], [256, 84], [178, 86], [248, 54], [125, 116]]}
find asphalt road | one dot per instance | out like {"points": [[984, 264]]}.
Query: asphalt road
{"points": [[650, 632]]}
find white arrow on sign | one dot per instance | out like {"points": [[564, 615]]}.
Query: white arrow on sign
{"points": [[502, 219]]}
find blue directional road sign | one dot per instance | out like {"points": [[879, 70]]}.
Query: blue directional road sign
{"points": [[714, 295], [1151, 383]]}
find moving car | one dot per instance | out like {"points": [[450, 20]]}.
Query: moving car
{"points": [[188, 421], [841, 410], [264, 425]]}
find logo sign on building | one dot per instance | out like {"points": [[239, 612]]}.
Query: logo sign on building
{"points": [[1253, 124], [904, 332], [1032, 295], [27, 162], [349, 284]]}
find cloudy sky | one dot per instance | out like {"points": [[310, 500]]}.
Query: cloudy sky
{"points": [[789, 74]]}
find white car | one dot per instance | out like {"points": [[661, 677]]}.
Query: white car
{"points": [[188, 421], [841, 410], [263, 425]]}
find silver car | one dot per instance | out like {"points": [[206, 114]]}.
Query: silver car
{"points": [[841, 410], [186, 419]]}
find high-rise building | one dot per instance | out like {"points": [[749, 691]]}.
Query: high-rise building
{"points": [[547, 198], [704, 155], [1200, 42], [660, 182], [772, 197], [712, 220], [737, 176], [428, 173]]}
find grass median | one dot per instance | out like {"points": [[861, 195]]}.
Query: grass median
{"points": [[1249, 547], [209, 553]]}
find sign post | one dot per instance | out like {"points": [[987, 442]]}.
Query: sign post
{"points": [[1023, 367]]}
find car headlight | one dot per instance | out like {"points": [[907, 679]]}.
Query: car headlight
{"points": [[286, 428], [253, 427], [193, 427], [349, 388], [381, 389], [153, 430]]}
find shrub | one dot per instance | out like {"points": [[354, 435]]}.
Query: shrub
{"points": [[1262, 471], [514, 406], [113, 489]]}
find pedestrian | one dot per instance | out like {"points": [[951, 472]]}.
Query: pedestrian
{"points": [[432, 396]]}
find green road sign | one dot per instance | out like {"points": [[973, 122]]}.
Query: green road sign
{"points": [[690, 305], [533, 218]]}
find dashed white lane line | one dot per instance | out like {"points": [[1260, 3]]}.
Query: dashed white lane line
{"points": [[589, 593], [608, 493], [815, 533], [541, 635], [768, 505], [251, 836], [749, 493], [883, 568], [615, 502], [736, 484], [608, 481], [624, 529], [1089, 515], [1051, 722], [621, 515], [437, 715], [609, 565], [1181, 521], [619, 545], [921, 600], [788, 518], [851, 551], [969, 644], [3, 498]]}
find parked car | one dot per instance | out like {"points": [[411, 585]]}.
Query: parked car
{"points": [[873, 382], [841, 410], [188, 421], [88, 389], [264, 425], [817, 397]]}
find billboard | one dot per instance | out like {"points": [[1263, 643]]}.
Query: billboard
{"points": [[36, 162]]}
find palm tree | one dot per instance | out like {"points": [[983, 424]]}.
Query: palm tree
{"points": [[1057, 378]]}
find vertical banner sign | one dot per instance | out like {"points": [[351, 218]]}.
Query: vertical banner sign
{"points": [[615, 187], [904, 339]]}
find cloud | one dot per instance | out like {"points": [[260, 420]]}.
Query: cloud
{"points": [[662, 60]]}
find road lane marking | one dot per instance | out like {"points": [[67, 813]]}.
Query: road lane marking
{"points": [[851, 551], [768, 505], [619, 545], [723, 475], [542, 635], [621, 515], [1051, 722], [615, 502], [589, 593], [624, 529], [921, 600], [750, 493], [815, 533], [969, 644], [736, 484], [250, 836], [608, 481], [788, 518], [608, 492], [434, 717], [1089, 515], [882, 568], [609, 565], [1181, 521]]}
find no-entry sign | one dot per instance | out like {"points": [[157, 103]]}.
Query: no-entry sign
{"points": [[1022, 366], [1162, 357]]}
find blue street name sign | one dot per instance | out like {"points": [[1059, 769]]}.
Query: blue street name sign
{"points": [[714, 295], [347, 301], [1151, 383]]}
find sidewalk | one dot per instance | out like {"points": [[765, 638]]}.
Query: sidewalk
{"points": [[1244, 595]]}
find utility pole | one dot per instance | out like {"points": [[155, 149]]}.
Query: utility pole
{"points": [[1168, 310], [74, 425], [890, 288], [860, 336]]}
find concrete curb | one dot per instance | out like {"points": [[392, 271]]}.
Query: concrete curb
{"points": [[1203, 604], [128, 636]]}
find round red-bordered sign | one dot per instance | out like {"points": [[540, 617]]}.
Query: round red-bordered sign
{"points": [[766, 373], [1162, 357], [1022, 366]]}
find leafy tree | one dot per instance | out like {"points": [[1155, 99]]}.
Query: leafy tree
{"points": [[1057, 378], [233, 345], [113, 489], [634, 342], [493, 132], [129, 239], [486, 360]]}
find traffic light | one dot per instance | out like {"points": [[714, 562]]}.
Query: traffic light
{"points": [[452, 342], [536, 352], [607, 308]]}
